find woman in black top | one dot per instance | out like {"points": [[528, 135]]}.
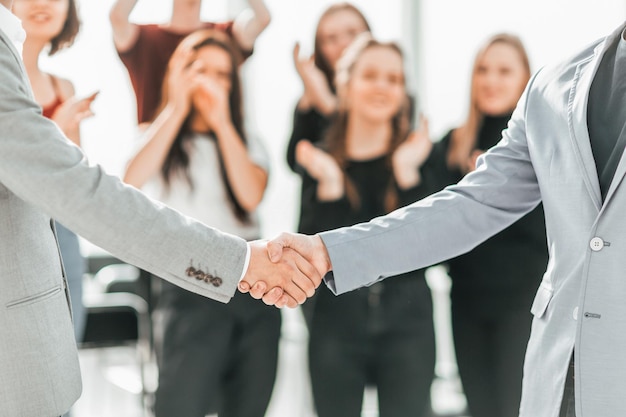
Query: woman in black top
{"points": [[369, 165], [493, 285], [337, 27]]}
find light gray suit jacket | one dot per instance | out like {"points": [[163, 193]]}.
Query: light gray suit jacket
{"points": [[43, 175], [545, 155]]}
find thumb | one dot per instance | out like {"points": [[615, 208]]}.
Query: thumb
{"points": [[275, 246]]}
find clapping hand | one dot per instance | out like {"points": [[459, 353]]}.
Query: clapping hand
{"points": [[410, 155], [322, 167], [317, 92], [211, 100], [73, 111]]}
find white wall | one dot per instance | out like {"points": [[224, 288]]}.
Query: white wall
{"points": [[439, 36]]}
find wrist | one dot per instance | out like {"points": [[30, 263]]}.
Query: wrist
{"points": [[407, 177], [176, 110], [321, 248], [330, 190], [222, 127], [330, 185]]}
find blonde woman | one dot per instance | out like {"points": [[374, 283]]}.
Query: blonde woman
{"points": [[494, 284]]}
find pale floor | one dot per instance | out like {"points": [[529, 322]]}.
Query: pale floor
{"points": [[112, 383]]}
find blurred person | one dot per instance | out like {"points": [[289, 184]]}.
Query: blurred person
{"points": [[563, 147], [197, 159], [367, 165], [43, 175], [146, 49], [492, 285], [337, 27], [54, 25]]}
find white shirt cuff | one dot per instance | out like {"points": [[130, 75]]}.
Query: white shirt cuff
{"points": [[246, 263]]}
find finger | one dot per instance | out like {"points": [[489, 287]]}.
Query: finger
{"points": [[284, 301], [84, 115], [296, 52], [309, 278], [90, 98], [275, 249], [291, 303], [304, 153], [424, 124], [258, 290], [196, 67], [295, 292], [243, 286], [273, 296]]}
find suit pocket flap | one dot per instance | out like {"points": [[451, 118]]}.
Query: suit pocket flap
{"points": [[35, 298], [542, 299]]}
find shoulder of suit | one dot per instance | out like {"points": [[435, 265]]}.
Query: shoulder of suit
{"points": [[9, 61], [565, 69]]}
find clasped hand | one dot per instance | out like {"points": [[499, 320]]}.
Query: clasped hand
{"points": [[285, 271]]}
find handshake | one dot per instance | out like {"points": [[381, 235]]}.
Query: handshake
{"points": [[285, 271]]}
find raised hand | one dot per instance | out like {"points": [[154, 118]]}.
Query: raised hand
{"points": [[410, 155], [317, 92], [183, 80], [211, 100], [323, 168], [291, 276], [73, 111]]}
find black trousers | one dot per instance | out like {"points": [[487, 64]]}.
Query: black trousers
{"points": [[214, 357], [490, 348], [382, 336]]}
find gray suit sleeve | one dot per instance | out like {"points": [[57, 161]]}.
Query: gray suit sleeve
{"points": [[449, 223], [42, 167]]}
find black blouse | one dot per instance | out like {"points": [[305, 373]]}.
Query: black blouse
{"points": [[507, 268]]}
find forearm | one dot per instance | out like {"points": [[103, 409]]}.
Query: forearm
{"points": [[250, 23], [124, 32], [159, 138], [73, 135], [330, 188], [320, 97], [247, 180], [407, 176]]}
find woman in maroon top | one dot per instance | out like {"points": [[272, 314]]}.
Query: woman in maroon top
{"points": [[145, 50], [54, 25]]}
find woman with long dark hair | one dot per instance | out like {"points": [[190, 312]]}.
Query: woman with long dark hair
{"points": [[196, 157]]}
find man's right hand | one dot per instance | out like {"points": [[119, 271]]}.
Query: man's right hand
{"points": [[289, 275], [310, 248]]}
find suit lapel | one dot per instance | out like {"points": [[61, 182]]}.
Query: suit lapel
{"points": [[577, 120], [619, 172]]}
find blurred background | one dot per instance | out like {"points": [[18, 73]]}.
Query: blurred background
{"points": [[439, 37]]}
